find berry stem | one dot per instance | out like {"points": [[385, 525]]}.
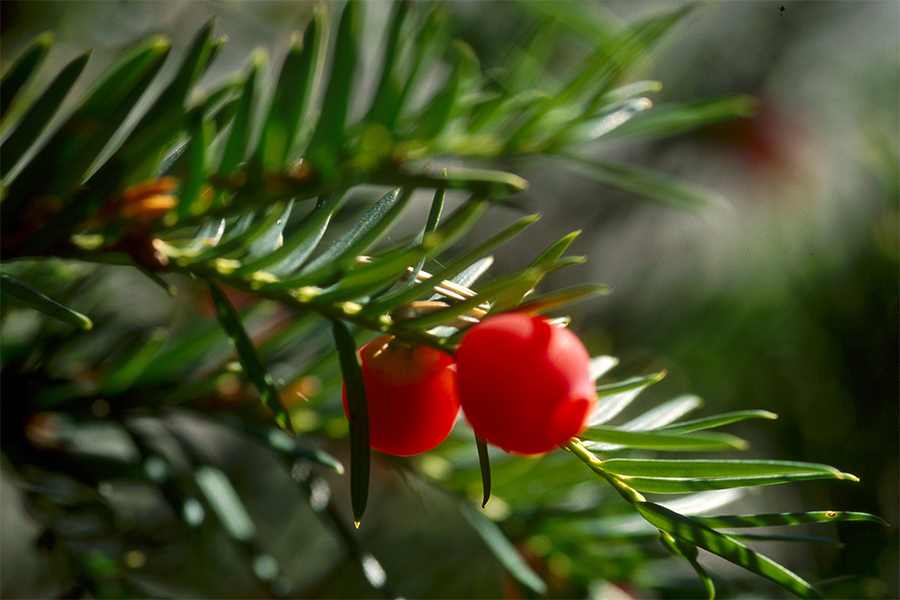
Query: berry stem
{"points": [[590, 459]]}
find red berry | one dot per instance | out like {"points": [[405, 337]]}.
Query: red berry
{"points": [[411, 394], [524, 384]]}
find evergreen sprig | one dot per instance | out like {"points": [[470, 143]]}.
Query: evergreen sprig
{"points": [[241, 193]]}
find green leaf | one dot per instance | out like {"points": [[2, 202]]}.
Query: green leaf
{"points": [[231, 323], [432, 121], [172, 100], [647, 182], [788, 518], [272, 238], [680, 476], [246, 223], [464, 279], [632, 524], [38, 115], [171, 156], [190, 168], [756, 537], [689, 530], [221, 102], [215, 48], [627, 385], [300, 243], [279, 441], [165, 285], [628, 91], [502, 290], [600, 365], [664, 414], [488, 110], [618, 438], [719, 420], [616, 51], [473, 272], [162, 123], [454, 266], [633, 46], [510, 297], [555, 251], [670, 119], [292, 94], [373, 277], [245, 232], [527, 64], [587, 130], [368, 230], [564, 297], [383, 270], [434, 215], [484, 463], [445, 316], [77, 144], [609, 407], [689, 553], [503, 549], [38, 301], [615, 397], [594, 22], [239, 139], [386, 102], [358, 412], [83, 136], [427, 46], [487, 182], [321, 457], [15, 78], [325, 147], [210, 234]]}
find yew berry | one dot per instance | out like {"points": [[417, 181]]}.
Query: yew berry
{"points": [[524, 384], [411, 396]]}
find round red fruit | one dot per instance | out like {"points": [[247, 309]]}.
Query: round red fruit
{"points": [[411, 396], [524, 383]]}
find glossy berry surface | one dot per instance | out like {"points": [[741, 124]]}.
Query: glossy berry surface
{"points": [[411, 396], [524, 384]]}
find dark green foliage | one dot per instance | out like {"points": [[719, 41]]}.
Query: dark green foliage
{"points": [[72, 150], [15, 78], [357, 409], [38, 115], [231, 323], [38, 301]]}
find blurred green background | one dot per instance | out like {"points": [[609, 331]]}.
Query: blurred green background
{"points": [[785, 298]]}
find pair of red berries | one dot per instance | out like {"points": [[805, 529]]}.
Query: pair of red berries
{"points": [[523, 384]]}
